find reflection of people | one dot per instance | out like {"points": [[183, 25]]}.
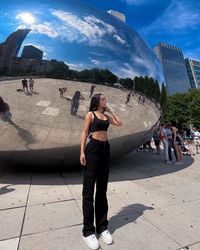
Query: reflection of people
{"points": [[95, 159], [92, 90], [62, 91], [31, 83], [128, 98], [75, 102], [25, 84], [4, 110]]}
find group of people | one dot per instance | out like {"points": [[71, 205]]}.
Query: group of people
{"points": [[170, 137], [27, 85]]}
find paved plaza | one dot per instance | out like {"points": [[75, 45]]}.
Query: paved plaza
{"points": [[153, 206]]}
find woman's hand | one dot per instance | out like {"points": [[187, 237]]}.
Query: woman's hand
{"points": [[82, 159], [108, 110]]}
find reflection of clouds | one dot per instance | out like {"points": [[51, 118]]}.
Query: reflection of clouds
{"points": [[96, 62], [85, 29], [119, 39], [128, 70], [78, 66], [45, 29], [26, 17]]}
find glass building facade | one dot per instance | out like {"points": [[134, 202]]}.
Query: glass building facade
{"points": [[174, 69], [193, 69]]}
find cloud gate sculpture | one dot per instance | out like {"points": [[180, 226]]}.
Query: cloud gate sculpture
{"points": [[65, 47]]}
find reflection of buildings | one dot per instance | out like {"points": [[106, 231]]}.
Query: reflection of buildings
{"points": [[10, 48], [193, 69], [31, 65], [174, 68], [31, 52], [117, 14], [30, 61]]}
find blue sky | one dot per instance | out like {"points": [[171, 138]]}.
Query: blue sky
{"points": [[173, 21]]}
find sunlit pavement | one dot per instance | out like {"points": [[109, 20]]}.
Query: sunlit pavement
{"points": [[152, 206]]}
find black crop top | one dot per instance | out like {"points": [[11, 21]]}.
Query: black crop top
{"points": [[98, 124]]}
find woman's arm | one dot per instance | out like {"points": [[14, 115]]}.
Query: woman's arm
{"points": [[114, 120], [84, 136]]}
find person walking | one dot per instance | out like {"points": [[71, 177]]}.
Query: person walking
{"points": [[128, 97], [95, 159], [31, 84], [92, 90], [75, 102], [25, 85]]}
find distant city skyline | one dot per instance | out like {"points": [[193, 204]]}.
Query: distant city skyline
{"points": [[170, 21]]}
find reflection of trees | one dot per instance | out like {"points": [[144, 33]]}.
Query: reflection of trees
{"points": [[58, 70], [148, 86], [98, 76]]}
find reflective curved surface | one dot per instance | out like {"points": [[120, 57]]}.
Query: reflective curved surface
{"points": [[67, 47], [80, 35]]}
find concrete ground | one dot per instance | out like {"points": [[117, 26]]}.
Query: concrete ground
{"points": [[152, 206]]}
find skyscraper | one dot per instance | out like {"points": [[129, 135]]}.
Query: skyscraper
{"points": [[174, 69], [31, 52], [193, 69], [10, 48], [117, 14]]}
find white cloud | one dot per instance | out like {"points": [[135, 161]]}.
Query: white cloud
{"points": [[96, 62], [127, 70], [26, 17], [119, 39], [78, 66], [85, 29], [178, 17], [45, 29]]}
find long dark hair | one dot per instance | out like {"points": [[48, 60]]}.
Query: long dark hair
{"points": [[94, 103]]}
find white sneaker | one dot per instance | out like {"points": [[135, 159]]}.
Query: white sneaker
{"points": [[91, 241], [107, 237]]}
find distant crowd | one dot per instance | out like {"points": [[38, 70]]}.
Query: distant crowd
{"points": [[175, 144]]}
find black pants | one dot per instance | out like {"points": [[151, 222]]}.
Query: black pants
{"points": [[96, 172], [170, 149]]}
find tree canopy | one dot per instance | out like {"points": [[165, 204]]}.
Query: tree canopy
{"points": [[184, 109]]}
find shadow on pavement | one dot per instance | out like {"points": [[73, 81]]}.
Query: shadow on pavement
{"points": [[127, 215], [134, 166]]}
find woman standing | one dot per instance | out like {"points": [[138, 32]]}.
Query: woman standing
{"points": [[95, 159]]}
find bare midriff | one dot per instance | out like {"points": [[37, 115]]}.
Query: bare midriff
{"points": [[100, 135]]}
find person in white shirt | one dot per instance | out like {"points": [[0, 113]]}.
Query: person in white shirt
{"points": [[196, 138]]}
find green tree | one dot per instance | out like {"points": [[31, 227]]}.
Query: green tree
{"points": [[183, 108]]}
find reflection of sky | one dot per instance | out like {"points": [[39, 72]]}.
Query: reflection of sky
{"points": [[79, 35]]}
